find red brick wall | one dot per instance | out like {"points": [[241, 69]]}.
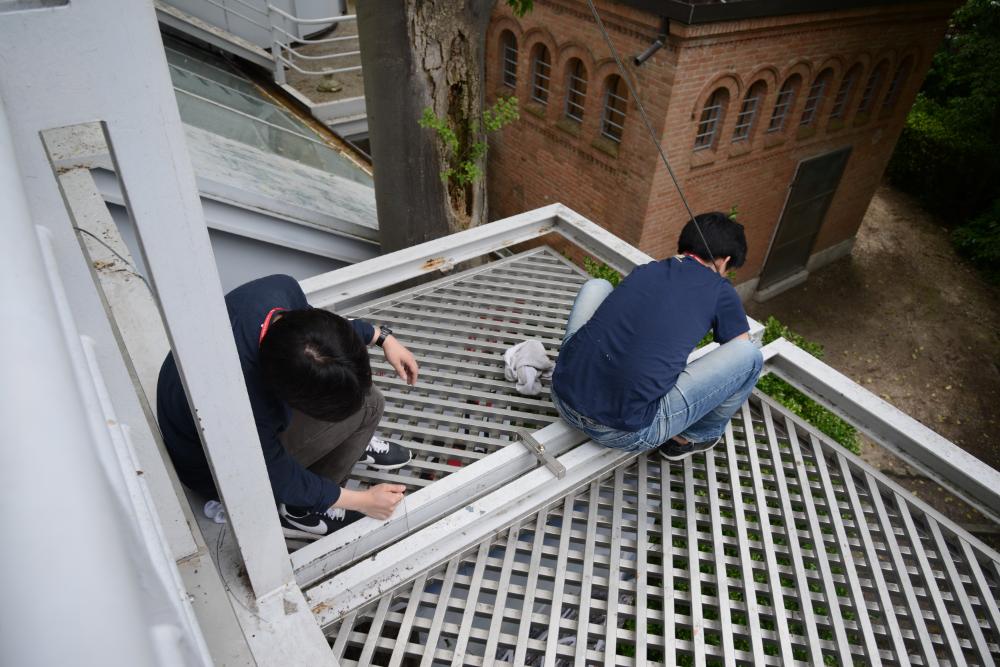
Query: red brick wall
{"points": [[537, 161], [542, 159]]}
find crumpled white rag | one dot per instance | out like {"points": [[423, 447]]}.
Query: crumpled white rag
{"points": [[215, 511], [527, 364]]}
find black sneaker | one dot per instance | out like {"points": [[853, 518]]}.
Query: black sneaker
{"points": [[385, 454], [302, 524], [672, 450]]}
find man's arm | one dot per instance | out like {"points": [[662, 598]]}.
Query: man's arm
{"points": [[400, 358], [378, 501]]}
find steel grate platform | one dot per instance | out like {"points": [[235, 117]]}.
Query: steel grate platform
{"points": [[463, 408], [779, 548]]}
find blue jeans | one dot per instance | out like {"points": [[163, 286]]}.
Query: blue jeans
{"points": [[709, 391]]}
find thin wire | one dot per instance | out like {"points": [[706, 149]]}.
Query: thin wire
{"points": [[132, 268], [649, 127]]}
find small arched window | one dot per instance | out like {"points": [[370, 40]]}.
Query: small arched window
{"points": [[615, 102], [748, 111], [508, 58], [871, 88], [711, 120], [896, 87], [576, 89], [817, 93], [783, 104], [844, 93], [541, 67]]}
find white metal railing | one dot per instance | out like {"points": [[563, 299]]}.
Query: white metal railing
{"points": [[285, 45]]}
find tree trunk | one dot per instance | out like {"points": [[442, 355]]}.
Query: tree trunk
{"points": [[417, 54]]}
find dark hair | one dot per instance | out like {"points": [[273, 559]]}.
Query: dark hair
{"points": [[314, 361], [724, 235]]}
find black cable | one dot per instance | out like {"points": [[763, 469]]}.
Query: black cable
{"points": [[649, 127], [132, 268]]}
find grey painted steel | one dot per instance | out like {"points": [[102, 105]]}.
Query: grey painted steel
{"points": [[438, 415], [778, 548], [461, 416]]}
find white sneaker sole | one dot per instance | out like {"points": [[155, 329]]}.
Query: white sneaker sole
{"points": [[685, 455], [294, 534], [387, 466]]}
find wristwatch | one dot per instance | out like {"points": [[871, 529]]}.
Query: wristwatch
{"points": [[384, 332]]}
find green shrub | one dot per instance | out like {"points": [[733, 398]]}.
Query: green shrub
{"points": [[601, 270], [795, 400], [947, 154], [979, 241]]}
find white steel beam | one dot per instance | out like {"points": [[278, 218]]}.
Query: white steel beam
{"points": [[333, 289], [140, 116], [51, 474]]}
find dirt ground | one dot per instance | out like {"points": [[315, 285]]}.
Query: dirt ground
{"points": [[913, 323]]}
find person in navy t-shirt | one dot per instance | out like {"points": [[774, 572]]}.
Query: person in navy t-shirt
{"points": [[309, 382], [622, 375]]}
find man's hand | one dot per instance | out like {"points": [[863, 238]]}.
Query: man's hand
{"points": [[378, 502], [401, 359]]}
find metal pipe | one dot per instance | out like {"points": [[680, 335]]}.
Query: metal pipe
{"points": [[661, 39]]}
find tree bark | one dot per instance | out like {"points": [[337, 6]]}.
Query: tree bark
{"points": [[417, 54]]}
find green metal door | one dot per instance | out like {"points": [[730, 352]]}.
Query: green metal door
{"points": [[809, 197]]}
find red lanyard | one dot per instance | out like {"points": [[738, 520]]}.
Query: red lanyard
{"points": [[267, 323]]}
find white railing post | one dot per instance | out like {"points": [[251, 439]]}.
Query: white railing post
{"points": [[51, 475], [277, 48]]}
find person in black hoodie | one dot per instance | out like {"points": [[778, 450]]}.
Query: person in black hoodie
{"points": [[309, 381]]}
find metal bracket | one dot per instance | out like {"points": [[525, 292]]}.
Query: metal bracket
{"points": [[538, 449]]}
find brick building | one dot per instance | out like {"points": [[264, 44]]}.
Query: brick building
{"points": [[788, 115]]}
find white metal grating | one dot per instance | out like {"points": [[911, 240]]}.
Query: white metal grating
{"points": [[463, 408], [779, 548]]}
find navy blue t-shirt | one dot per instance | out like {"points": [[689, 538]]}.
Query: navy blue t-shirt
{"points": [[292, 484], [616, 368]]}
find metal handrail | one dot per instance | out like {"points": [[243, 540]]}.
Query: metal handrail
{"points": [[236, 13], [283, 52], [325, 56], [321, 21], [306, 40]]}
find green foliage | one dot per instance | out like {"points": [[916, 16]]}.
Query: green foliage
{"points": [[979, 241], [795, 400], [463, 156], [521, 7], [601, 270], [948, 154]]}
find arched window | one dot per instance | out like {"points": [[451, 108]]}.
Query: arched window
{"points": [[844, 93], [711, 120], [576, 89], [896, 87], [748, 111], [615, 102], [817, 93], [871, 88], [783, 105], [508, 58], [540, 69]]}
